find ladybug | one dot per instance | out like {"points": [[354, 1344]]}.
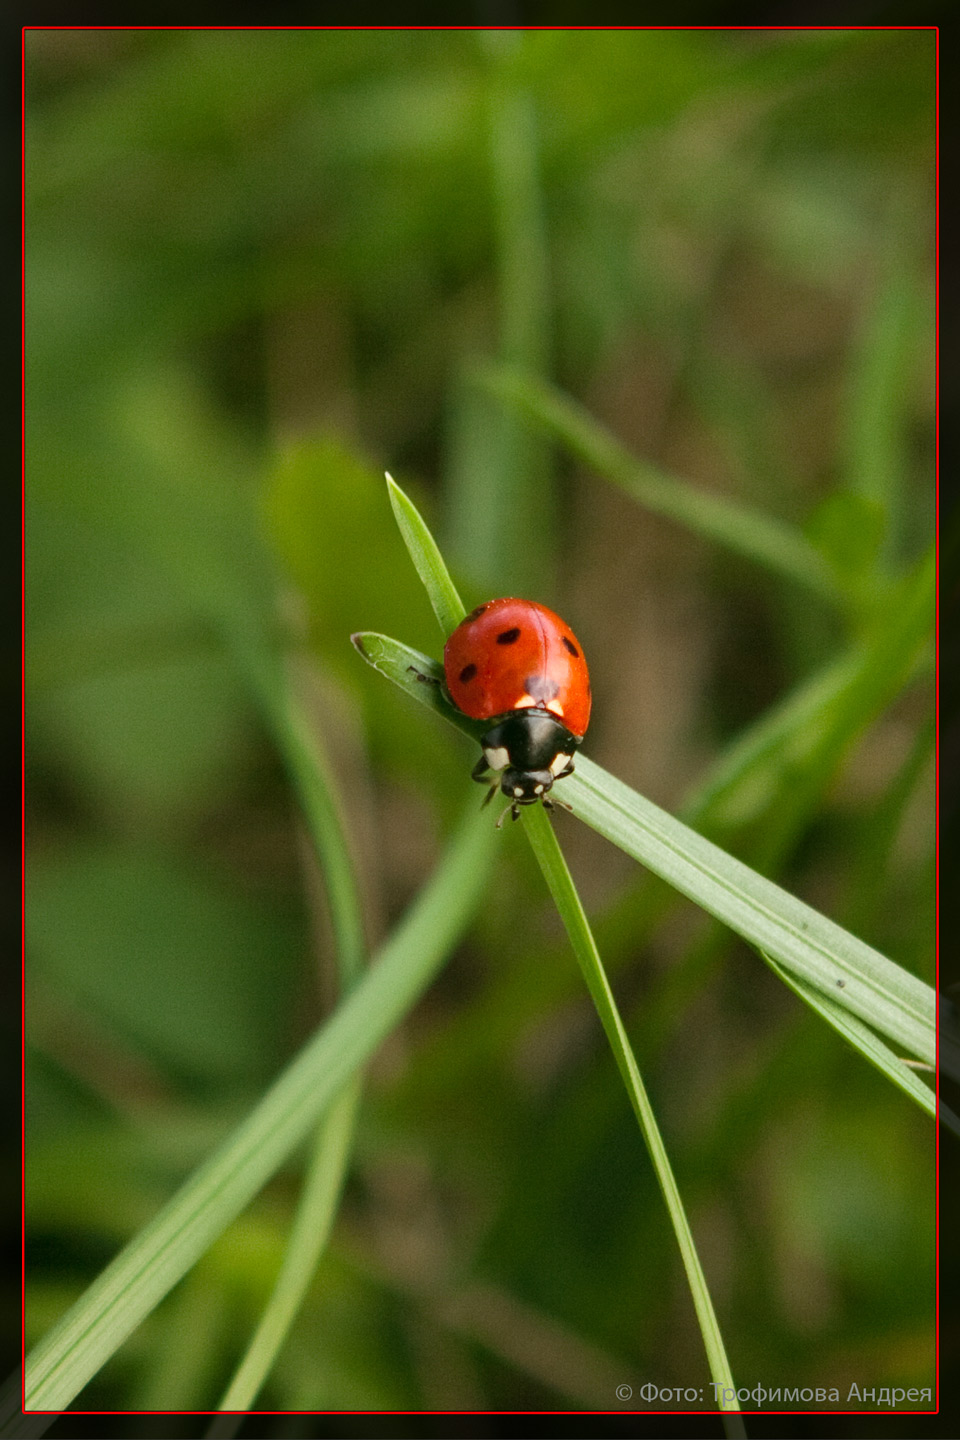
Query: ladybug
{"points": [[518, 665]]}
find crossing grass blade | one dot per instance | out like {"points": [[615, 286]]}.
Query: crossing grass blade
{"points": [[311, 1230], [327, 1169], [546, 848], [862, 1038], [812, 948], [152, 1263], [817, 952], [424, 674], [805, 942]]}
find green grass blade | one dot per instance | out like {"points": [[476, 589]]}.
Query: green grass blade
{"points": [[862, 1038], [497, 465], [152, 1263], [879, 389], [309, 769], [809, 945], [323, 1183], [749, 533], [418, 674], [425, 554], [561, 886], [311, 1229]]}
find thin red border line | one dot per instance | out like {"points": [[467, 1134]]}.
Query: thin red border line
{"points": [[208, 29], [23, 719], [887, 1411]]}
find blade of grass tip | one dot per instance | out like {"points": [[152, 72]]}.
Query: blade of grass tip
{"points": [[811, 946], [866, 1042], [560, 883], [757, 537], [308, 1238], [418, 674], [165, 1249], [427, 560]]}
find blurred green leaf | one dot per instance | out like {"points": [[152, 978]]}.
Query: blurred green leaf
{"points": [[323, 503], [848, 529], [597, 92], [151, 747], [184, 965]]}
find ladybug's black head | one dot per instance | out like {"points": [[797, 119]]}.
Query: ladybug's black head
{"points": [[525, 787]]}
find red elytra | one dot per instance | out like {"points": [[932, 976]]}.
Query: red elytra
{"points": [[510, 655]]}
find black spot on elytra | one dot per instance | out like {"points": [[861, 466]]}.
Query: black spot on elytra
{"points": [[467, 673], [572, 648], [475, 613], [541, 688], [508, 637]]}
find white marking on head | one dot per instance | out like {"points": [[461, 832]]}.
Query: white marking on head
{"points": [[522, 704], [518, 789], [497, 757], [558, 763], [556, 707], [538, 789]]}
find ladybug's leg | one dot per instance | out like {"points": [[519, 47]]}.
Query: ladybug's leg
{"points": [[481, 771]]}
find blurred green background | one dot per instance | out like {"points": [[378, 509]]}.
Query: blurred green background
{"points": [[262, 267]]}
